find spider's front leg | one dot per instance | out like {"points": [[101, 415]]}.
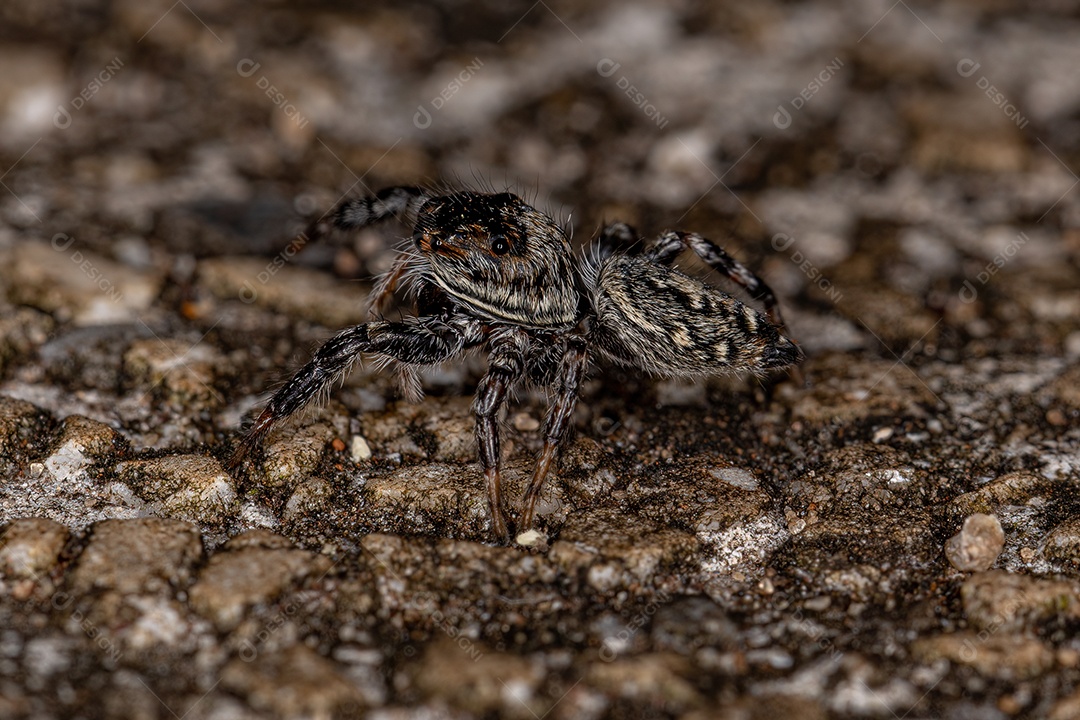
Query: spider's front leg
{"points": [[571, 371], [505, 367], [421, 342], [356, 213]]}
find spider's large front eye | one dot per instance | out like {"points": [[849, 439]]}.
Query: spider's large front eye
{"points": [[499, 244]]}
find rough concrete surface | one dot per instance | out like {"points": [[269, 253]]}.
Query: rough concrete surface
{"points": [[896, 536]]}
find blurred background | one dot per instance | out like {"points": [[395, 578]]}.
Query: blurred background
{"points": [[903, 173], [813, 140]]}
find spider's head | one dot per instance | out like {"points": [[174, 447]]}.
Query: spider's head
{"points": [[500, 257]]}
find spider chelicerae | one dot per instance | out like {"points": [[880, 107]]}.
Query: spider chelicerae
{"points": [[487, 271]]}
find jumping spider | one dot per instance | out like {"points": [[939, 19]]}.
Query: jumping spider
{"points": [[489, 271]]}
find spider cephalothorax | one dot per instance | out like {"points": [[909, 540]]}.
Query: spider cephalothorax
{"points": [[500, 257], [491, 272]]}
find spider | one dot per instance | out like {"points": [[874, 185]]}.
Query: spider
{"points": [[486, 270]]}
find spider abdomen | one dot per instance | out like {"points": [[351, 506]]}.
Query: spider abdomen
{"points": [[667, 323]]}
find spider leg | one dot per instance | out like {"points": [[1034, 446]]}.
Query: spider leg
{"points": [[379, 299], [355, 213], [668, 246], [505, 367], [389, 202], [615, 237], [414, 343], [557, 423]]}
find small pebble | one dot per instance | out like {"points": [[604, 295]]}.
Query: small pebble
{"points": [[525, 422], [977, 545], [529, 538], [1008, 705], [737, 477], [1067, 657], [360, 449]]}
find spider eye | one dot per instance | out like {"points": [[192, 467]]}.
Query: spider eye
{"points": [[500, 245]]}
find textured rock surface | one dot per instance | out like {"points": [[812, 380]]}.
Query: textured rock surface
{"points": [[902, 175], [251, 569], [30, 550], [137, 557]]}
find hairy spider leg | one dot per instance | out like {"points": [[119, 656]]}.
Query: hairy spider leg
{"points": [[669, 244], [615, 237], [356, 213], [571, 372], [393, 202], [412, 343], [379, 299], [506, 365]]}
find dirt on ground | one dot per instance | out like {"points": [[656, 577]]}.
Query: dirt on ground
{"points": [[895, 533]]}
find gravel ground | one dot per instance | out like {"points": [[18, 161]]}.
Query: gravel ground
{"points": [[899, 536]]}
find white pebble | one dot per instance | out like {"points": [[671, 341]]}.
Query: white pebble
{"points": [[360, 449]]}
